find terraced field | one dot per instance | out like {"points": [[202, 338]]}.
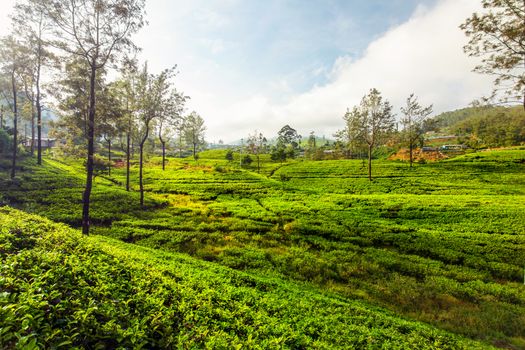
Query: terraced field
{"points": [[62, 290], [442, 243]]}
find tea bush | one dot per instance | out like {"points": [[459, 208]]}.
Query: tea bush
{"points": [[59, 289]]}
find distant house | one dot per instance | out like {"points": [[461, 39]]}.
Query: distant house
{"points": [[453, 147], [429, 149], [46, 143]]}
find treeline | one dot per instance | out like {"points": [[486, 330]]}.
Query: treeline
{"points": [[61, 52], [367, 127]]}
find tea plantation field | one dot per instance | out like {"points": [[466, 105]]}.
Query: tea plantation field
{"points": [[442, 243], [62, 290]]}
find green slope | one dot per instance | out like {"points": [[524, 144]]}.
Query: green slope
{"points": [[59, 289], [441, 243], [482, 127]]}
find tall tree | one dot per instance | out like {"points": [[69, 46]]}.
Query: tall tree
{"points": [[374, 121], [351, 136], [169, 117], [27, 79], [413, 121], [257, 145], [311, 146], [287, 144], [95, 30], [2, 115], [180, 126], [194, 132], [497, 35], [288, 136], [112, 116], [11, 63], [29, 17], [72, 94], [152, 91], [127, 87]]}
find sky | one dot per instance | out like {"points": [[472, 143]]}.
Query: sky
{"points": [[259, 65]]}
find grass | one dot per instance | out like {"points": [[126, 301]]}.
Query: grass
{"points": [[441, 243]]}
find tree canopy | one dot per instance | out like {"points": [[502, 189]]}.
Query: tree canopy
{"points": [[497, 36]]}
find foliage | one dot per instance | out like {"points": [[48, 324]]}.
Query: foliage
{"points": [[481, 127], [74, 24], [287, 144], [445, 121], [441, 243], [5, 142], [153, 96], [498, 36], [62, 290], [370, 123], [194, 132], [229, 155], [30, 21], [100, 165], [493, 127], [413, 123], [278, 153], [247, 160], [257, 145], [12, 64], [288, 136]]}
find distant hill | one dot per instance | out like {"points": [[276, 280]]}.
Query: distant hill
{"points": [[448, 119], [483, 126]]}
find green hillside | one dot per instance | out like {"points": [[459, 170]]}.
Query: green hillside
{"points": [[63, 290], [441, 243], [448, 119], [481, 127]]}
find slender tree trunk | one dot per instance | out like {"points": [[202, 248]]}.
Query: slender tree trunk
{"points": [[411, 147], [163, 155], [15, 125], [141, 164], [128, 141], [163, 143], [1, 117], [109, 157], [141, 185], [38, 113], [86, 122], [32, 128], [180, 142], [195, 151], [370, 162], [91, 150]]}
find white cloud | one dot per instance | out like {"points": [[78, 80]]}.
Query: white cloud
{"points": [[216, 46], [5, 22], [210, 18], [423, 56]]}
